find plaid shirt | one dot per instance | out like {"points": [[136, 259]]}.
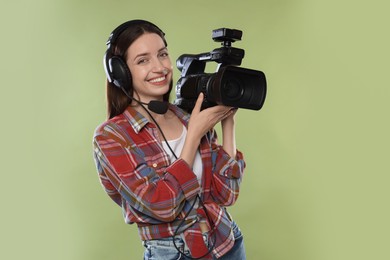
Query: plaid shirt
{"points": [[158, 195]]}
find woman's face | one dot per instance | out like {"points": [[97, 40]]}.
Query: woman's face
{"points": [[150, 67]]}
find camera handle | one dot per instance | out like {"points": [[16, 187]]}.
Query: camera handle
{"points": [[190, 64]]}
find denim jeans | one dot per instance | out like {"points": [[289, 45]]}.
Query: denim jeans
{"points": [[164, 248]]}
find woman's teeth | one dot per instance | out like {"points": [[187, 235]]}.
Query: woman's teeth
{"points": [[157, 80]]}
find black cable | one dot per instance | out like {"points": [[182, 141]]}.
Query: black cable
{"points": [[181, 223], [142, 104]]}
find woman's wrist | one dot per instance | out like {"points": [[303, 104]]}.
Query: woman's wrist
{"points": [[228, 136], [190, 147]]}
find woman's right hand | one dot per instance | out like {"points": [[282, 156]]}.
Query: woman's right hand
{"points": [[202, 121]]}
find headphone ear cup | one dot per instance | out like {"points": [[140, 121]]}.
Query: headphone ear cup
{"points": [[121, 76]]}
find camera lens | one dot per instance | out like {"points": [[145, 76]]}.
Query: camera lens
{"points": [[233, 89]]}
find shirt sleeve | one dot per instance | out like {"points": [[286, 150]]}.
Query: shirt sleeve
{"points": [[227, 173], [125, 175]]}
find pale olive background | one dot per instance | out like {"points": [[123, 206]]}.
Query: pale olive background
{"points": [[316, 184]]}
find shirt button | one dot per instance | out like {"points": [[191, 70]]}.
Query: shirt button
{"points": [[154, 165]]}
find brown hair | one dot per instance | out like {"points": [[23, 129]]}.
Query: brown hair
{"points": [[117, 100]]}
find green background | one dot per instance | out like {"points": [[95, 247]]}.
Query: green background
{"points": [[316, 184]]}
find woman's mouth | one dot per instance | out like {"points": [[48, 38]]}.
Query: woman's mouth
{"points": [[159, 80]]}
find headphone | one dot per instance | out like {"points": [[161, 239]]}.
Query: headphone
{"points": [[115, 66]]}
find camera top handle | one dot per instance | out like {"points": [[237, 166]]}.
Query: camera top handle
{"points": [[190, 64]]}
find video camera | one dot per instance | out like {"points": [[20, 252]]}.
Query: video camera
{"points": [[230, 85]]}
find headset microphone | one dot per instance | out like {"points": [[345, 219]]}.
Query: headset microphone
{"points": [[159, 107], [156, 106]]}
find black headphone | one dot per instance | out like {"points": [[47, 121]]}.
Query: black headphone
{"points": [[116, 69]]}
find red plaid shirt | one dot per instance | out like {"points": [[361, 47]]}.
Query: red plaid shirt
{"points": [[155, 193]]}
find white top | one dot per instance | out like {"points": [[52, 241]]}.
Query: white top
{"points": [[177, 147]]}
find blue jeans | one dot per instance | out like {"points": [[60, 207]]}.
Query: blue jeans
{"points": [[164, 248]]}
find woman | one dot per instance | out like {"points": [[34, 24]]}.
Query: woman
{"points": [[165, 168]]}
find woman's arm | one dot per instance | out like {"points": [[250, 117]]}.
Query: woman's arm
{"points": [[200, 123], [226, 173], [227, 166], [228, 134], [124, 169]]}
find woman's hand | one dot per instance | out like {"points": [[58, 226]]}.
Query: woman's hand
{"points": [[200, 123]]}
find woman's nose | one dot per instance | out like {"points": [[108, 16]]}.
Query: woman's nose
{"points": [[158, 66]]}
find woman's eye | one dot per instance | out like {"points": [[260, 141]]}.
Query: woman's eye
{"points": [[142, 61], [164, 54]]}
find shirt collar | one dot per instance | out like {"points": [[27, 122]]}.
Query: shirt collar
{"points": [[138, 121]]}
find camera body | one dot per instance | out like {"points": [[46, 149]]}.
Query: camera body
{"points": [[230, 85]]}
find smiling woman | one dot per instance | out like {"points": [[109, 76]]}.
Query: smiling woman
{"points": [[165, 169], [120, 88], [150, 67]]}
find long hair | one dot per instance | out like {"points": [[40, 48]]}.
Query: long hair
{"points": [[117, 100]]}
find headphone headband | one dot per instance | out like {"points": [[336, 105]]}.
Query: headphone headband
{"points": [[121, 28]]}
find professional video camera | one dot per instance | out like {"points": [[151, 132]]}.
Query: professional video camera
{"points": [[230, 85]]}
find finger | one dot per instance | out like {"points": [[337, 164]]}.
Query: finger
{"points": [[217, 113], [229, 112], [217, 109], [199, 102], [223, 110], [226, 114]]}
